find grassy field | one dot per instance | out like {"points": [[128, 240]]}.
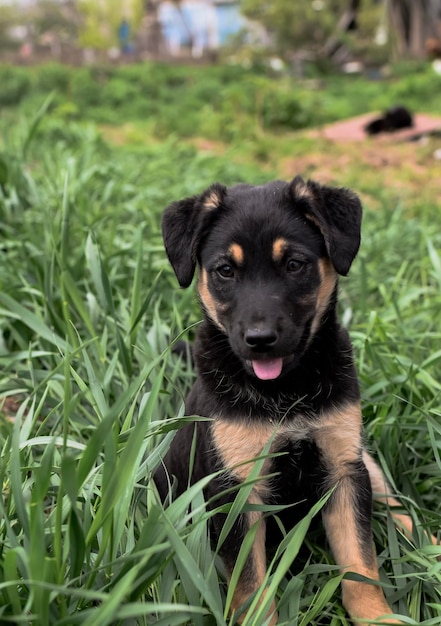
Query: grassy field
{"points": [[91, 393]]}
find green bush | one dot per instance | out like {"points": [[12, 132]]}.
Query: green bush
{"points": [[54, 77], [286, 110], [15, 84], [118, 92], [86, 88]]}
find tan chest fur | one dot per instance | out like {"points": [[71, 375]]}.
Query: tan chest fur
{"points": [[337, 435]]}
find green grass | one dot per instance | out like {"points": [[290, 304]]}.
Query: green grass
{"points": [[223, 102], [88, 306]]}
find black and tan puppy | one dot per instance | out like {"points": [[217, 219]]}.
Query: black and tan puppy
{"points": [[275, 365]]}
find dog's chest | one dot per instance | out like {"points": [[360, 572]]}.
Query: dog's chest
{"points": [[239, 444], [297, 445]]}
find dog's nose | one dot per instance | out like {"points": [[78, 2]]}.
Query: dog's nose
{"points": [[260, 339]]}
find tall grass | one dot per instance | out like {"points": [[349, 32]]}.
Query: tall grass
{"points": [[92, 393]]}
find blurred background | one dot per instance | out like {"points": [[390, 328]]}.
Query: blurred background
{"points": [[366, 32]]}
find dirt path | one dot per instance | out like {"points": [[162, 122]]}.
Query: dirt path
{"points": [[407, 164], [406, 170]]}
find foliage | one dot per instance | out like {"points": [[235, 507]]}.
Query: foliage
{"points": [[8, 19], [17, 82], [60, 20], [294, 25], [91, 392], [102, 20], [48, 23]]}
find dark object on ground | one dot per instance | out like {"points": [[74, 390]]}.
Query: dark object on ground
{"points": [[276, 378], [395, 118]]}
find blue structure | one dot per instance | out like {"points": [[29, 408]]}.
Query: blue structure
{"points": [[199, 23], [229, 20]]}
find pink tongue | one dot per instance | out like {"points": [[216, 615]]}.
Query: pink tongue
{"points": [[267, 369]]}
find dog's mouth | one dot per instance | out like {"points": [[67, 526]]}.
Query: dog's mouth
{"points": [[267, 369]]}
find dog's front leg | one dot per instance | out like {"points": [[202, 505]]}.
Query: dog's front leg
{"points": [[347, 514], [253, 572], [348, 526]]}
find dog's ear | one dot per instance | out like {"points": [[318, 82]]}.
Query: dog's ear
{"points": [[337, 214], [184, 223]]}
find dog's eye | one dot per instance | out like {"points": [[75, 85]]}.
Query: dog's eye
{"points": [[294, 265], [226, 271]]}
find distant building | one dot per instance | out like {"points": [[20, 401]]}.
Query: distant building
{"points": [[199, 24]]}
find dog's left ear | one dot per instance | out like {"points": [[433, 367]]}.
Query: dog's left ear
{"points": [[184, 224], [337, 214]]}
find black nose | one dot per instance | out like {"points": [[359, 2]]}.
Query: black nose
{"points": [[260, 339]]}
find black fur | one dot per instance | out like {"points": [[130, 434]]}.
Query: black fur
{"points": [[395, 118], [263, 305]]}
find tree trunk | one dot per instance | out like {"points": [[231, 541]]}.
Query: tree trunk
{"points": [[417, 28], [347, 22], [414, 22], [151, 28]]}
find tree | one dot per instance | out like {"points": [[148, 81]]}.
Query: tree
{"points": [[102, 18], [55, 24], [317, 25], [293, 23], [413, 23], [309, 24], [151, 32], [348, 22], [9, 18]]}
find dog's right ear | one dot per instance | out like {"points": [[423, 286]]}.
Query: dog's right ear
{"points": [[184, 223], [337, 214]]}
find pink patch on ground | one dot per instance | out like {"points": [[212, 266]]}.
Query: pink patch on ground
{"points": [[353, 129]]}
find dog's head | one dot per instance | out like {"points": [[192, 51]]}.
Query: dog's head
{"points": [[268, 260]]}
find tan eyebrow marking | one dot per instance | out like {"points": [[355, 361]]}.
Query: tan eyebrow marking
{"points": [[279, 247], [236, 252]]}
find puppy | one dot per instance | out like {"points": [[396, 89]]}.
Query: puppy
{"points": [[276, 373]]}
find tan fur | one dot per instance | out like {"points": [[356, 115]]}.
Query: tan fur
{"points": [[258, 554], [236, 253], [238, 444], [361, 600], [259, 550], [382, 492], [328, 277], [212, 201], [209, 303], [279, 247], [338, 436], [302, 190]]}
